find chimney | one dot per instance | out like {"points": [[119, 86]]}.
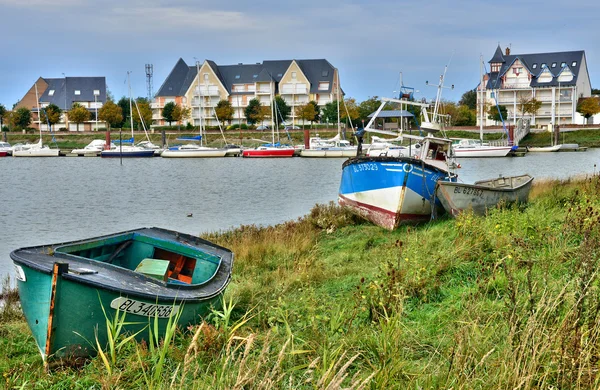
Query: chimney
{"points": [[507, 51]]}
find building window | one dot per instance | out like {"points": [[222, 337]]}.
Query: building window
{"points": [[293, 75], [325, 73], [77, 92], [237, 76], [323, 86], [544, 65], [96, 92], [574, 63], [279, 74], [563, 64], [51, 92], [554, 64], [517, 70], [534, 66], [206, 76], [495, 68], [254, 76]]}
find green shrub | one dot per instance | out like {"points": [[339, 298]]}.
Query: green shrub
{"points": [[244, 126], [233, 127], [5, 128], [189, 126]]}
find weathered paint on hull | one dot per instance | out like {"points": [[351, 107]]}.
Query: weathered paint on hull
{"points": [[78, 314], [459, 197], [389, 191]]}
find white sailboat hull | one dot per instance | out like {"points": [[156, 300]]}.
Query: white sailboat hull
{"points": [[482, 151], [44, 152], [190, 153], [534, 149], [328, 153]]}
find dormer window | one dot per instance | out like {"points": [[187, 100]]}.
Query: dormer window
{"points": [[237, 76], [279, 74], [496, 67], [554, 64], [534, 66], [51, 92], [563, 64], [544, 65], [325, 73], [77, 92], [574, 63], [254, 76]]}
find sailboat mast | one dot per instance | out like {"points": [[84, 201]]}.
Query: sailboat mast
{"points": [[272, 122], [481, 98], [37, 98], [337, 74], [200, 105], [130, 105]]}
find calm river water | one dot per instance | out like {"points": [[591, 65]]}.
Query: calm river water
{"points": [[61, 199]]}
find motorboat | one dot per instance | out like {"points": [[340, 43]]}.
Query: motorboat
{"points": [[5, 149], [476, 148], [94, 147], [333, 147]]}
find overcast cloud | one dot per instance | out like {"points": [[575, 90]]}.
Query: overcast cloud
{"points": [[370, 42]]}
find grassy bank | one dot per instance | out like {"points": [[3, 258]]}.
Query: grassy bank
{"points": [[510, 300]]}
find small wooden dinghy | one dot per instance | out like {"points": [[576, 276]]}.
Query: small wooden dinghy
{"points": [[484, 194], [149, 273]]}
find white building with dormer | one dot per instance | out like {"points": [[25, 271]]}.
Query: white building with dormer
{"points": [[557, 80]]}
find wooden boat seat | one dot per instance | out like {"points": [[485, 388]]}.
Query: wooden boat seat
{"points": [[154, 268]]}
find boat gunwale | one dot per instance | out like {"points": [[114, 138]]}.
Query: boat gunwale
{"points": [[166, 292], [486, 188]]}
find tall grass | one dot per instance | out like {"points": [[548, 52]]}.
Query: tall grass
{"points": [[506, 300]]}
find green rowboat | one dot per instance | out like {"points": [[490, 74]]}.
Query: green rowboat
{"points": [[65, 289]]}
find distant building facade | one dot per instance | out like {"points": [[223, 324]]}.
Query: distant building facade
{"points": [[90, 92], [200, 87], [558, 80]]}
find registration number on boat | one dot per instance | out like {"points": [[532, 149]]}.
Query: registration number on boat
{"points": [[469, 191], [365, 167], [144, 309]]}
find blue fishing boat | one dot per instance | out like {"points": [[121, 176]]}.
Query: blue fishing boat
{"points": [[390, 190]]}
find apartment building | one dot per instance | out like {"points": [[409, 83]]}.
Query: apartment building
{"points": [[558, 80], [90, 92], [201, 86]]}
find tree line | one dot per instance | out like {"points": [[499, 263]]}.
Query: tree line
{"points": [[116, 115]]}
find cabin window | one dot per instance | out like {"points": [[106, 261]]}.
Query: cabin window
{"points": [[51, 92], [77, 92]]}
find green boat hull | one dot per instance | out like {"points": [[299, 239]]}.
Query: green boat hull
{"points": [[66, 303]]}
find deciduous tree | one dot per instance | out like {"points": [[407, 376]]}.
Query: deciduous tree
{"points": [[21, 118], [367, 107], [330, 112], [469, 99], [180, 113], [2, 114], [532, 106], [283, 110], [589, 107], [51, 114], [167, 112], [124, 104], [317, 116], [306, 112], [79, 114], [494, 113], [464, 116], [349, 110], [144, 108], [253, 112], [224, 111], [111, 113]]}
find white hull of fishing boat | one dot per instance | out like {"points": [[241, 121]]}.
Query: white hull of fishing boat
{"points": [[193, 151]]}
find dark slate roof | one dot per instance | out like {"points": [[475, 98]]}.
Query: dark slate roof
{"points": [[315, 71], [528, 61], [86, 86], [392, 114], [498, 57], [178, 81]]}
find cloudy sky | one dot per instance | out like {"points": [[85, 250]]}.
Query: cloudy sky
{"points": [[370, 42]]}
